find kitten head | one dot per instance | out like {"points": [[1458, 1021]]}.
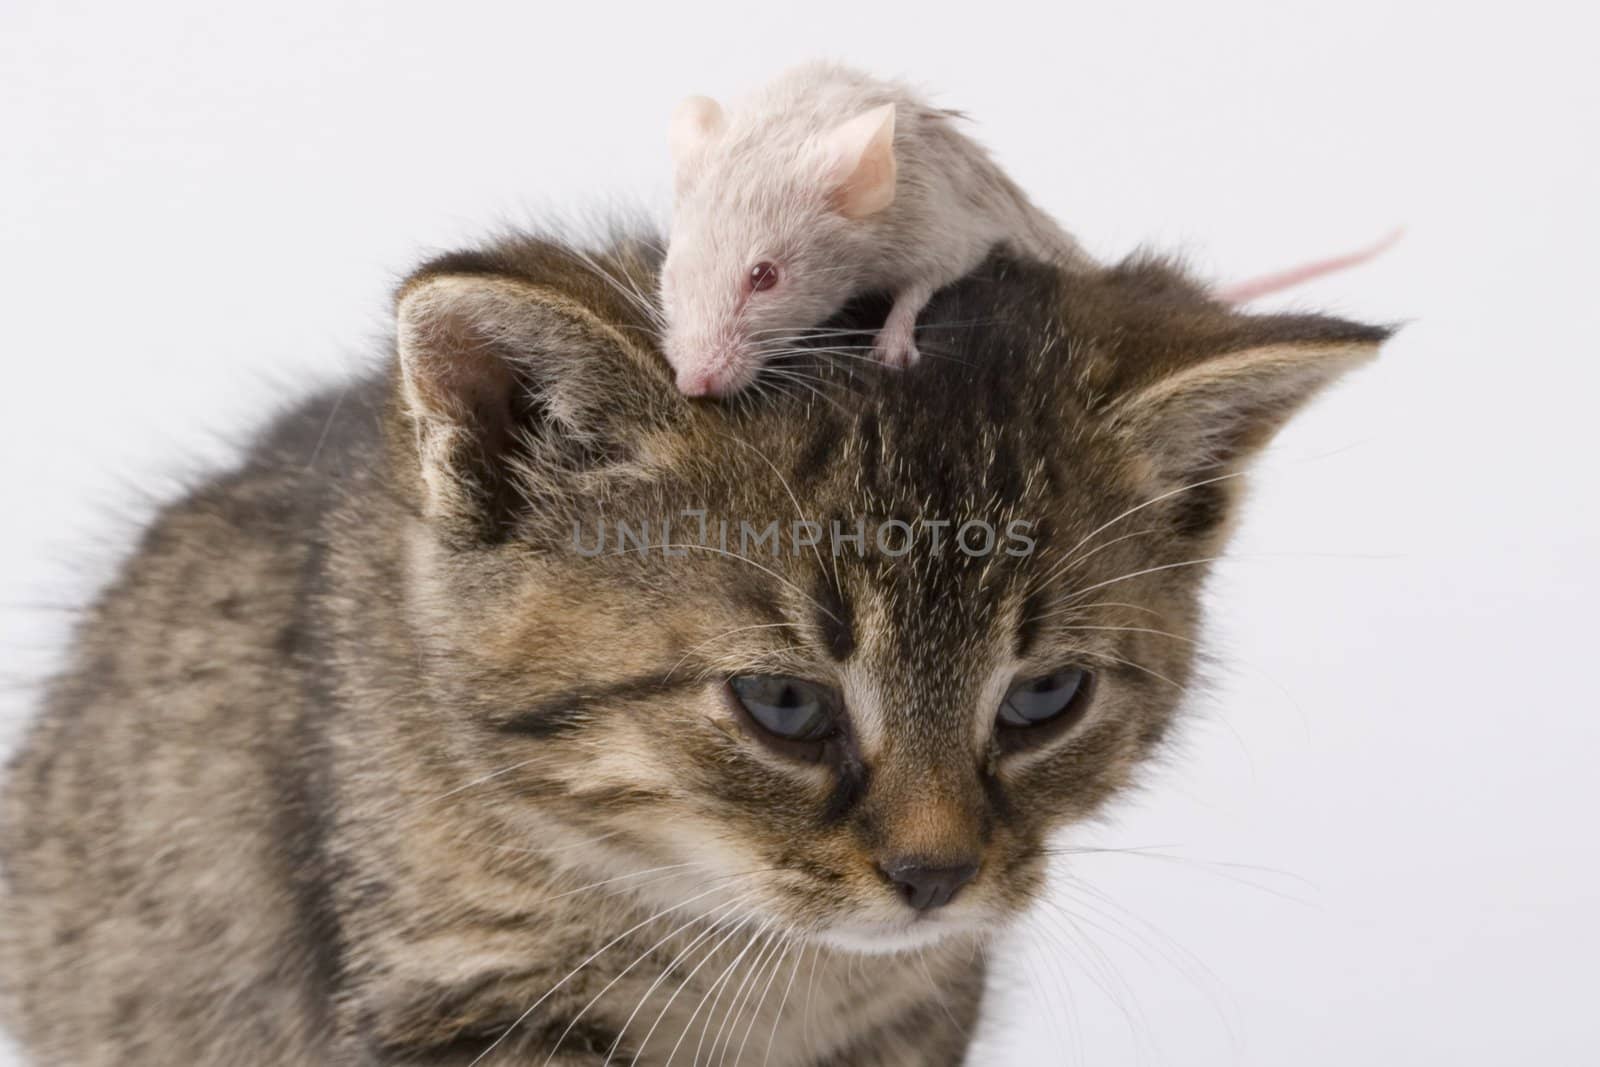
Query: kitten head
{"points": [[844, 658]]}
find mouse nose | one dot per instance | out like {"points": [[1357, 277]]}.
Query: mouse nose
{"points": [[721, 373], [696, 383], [706, 382], [924, 885]]}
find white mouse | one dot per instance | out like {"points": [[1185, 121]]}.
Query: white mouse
{"points": [[825, 184]]}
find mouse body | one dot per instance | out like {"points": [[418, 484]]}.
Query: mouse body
{"points": [[825, 184]]}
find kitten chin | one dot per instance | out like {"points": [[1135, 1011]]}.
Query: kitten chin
{"points": [[365, 748], [908, 935]]}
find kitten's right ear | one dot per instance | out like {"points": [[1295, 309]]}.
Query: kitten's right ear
{"points": [[1203, 406], [498, 377], [695, 122]]}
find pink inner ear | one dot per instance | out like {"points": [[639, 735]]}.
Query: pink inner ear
{"points": [[1254, 288], [864, 163]]}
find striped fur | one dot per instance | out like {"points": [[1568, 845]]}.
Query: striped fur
{"points": [[360, 761]]}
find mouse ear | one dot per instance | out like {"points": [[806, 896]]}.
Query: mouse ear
{"points": [[694, 122], [861, 164]]}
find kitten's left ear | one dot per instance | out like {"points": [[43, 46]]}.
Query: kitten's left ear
{"points": [[498, 377], [1209, 416], [861, 164]]}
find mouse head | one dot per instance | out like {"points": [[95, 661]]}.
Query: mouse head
{"points": [[766, 240]]}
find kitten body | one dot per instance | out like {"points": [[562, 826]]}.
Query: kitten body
{"points": [[368, 757]]}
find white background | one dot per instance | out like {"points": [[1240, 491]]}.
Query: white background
{"points": [[202, 210]]}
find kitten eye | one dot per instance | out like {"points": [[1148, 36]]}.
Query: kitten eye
{"points": [[763, 276], [1056, 700], [788, 709]]}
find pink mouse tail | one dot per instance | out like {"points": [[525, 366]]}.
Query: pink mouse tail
{"points": [[1245, 291]]}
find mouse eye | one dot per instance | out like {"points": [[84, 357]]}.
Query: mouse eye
{"points": [[763, 276], [1039, 708]]}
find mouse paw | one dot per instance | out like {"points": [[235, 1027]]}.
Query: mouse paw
{"points": [[896, 348]]}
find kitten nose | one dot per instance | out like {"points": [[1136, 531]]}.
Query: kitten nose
{"points": [[926, 887]]}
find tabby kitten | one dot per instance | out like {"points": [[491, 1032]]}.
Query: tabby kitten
{"points": [[463, 725]]}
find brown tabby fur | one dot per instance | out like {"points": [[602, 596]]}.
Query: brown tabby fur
{"points": [[359, 759]]}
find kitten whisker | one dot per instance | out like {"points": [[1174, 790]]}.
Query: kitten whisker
{"points": [[715, 986], [619, 878], [624, 971], [721, 986], [1216, 868], [1071, 552], [1232, 558], [1059, 962], [1113, 604], [794, 972], [1096, 965], [811, 989], [1182, 960], [765, 570], [588, 960], [741, 995], [1120, 924], [1136, 630], [1055, 962], [727, 633], [1072, 563], [558, 849], [733, 931], [1191, 642], [413, 808], [773, 958], [938, 991], [1141, 667], [707, 933]]}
